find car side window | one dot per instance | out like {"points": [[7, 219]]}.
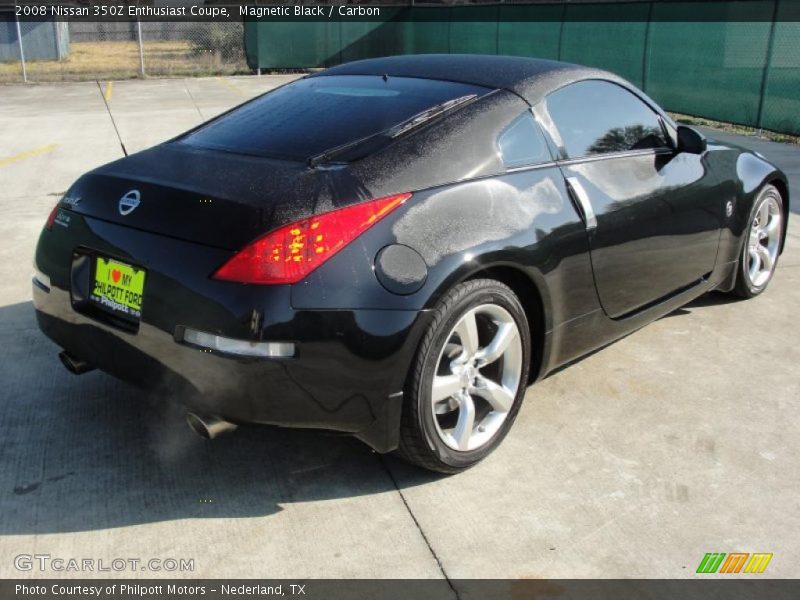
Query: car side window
{"points": [[600, 117], [522, 143]]}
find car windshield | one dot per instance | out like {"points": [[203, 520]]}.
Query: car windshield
{"points": [[310, 116]]}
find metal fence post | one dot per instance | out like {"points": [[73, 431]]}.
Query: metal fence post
{"points": [[767, 63], [21, 52], [141, 46], [646, 49], [561, 28]]}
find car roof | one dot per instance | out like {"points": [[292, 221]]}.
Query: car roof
{"points": [[531, 78]]}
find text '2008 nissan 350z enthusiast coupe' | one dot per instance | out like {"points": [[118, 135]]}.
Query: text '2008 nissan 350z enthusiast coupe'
{"points": [[396, 248]]}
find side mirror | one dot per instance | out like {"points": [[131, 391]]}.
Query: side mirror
{"points": [[690, 140]]}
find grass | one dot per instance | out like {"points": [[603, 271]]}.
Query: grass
{"points": [[784, 138], [120, 60]]}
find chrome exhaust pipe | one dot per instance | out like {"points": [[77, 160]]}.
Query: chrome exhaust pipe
{"points": [[209, 426], [76, 366]]}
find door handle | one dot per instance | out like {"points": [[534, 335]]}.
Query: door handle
{"points": [[582, 198]]}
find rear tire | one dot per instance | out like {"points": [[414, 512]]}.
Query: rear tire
{"points": [[761, 243], [468, 378]]}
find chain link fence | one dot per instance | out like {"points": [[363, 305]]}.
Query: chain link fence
{"points": [[53, 52]]}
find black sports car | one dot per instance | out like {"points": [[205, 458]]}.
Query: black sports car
{"points": [[396, 248]]}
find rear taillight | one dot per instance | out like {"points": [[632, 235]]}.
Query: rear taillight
{"points": [[51, 218], [290, 253]]}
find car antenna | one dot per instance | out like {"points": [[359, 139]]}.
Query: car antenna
{"points": [[113, 122]]}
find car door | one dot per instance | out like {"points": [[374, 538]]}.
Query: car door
{"points": [[652, 214]]}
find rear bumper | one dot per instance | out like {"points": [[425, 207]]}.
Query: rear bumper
{"points": [[347, 374]]}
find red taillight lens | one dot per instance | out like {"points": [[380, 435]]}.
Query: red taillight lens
{"points": [[51, 218], [290, 253]]}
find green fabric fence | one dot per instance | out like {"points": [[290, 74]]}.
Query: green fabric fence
{"points": [[740, 63]]}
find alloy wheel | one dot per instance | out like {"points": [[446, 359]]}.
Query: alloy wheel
{"points": [[477, 379], [763, 241]]}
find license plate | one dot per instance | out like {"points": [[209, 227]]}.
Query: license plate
{"points": [[118, 287]]}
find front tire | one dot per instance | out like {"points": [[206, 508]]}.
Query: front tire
{"points": [[761, 243], [468, 378]]}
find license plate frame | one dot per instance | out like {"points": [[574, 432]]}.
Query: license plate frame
{"points": [[117, 288]]}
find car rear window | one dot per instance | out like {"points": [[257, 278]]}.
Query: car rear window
{"points": [[309, 116]]}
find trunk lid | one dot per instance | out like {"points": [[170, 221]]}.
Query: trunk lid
{"points": [[203, 196]]}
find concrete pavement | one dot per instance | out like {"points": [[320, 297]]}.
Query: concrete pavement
{"points": [[679, 440]]}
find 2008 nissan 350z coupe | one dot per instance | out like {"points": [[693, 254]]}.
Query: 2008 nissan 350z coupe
{"points": [[396, 248]]}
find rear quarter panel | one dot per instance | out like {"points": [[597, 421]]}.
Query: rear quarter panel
{"points": [[523, 220]]}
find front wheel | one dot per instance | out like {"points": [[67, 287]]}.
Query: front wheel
{"points": [[468, 378], [762, 242]]}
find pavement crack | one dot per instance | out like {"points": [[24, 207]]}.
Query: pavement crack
{"points": [[191, 97], [419, 527]]}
